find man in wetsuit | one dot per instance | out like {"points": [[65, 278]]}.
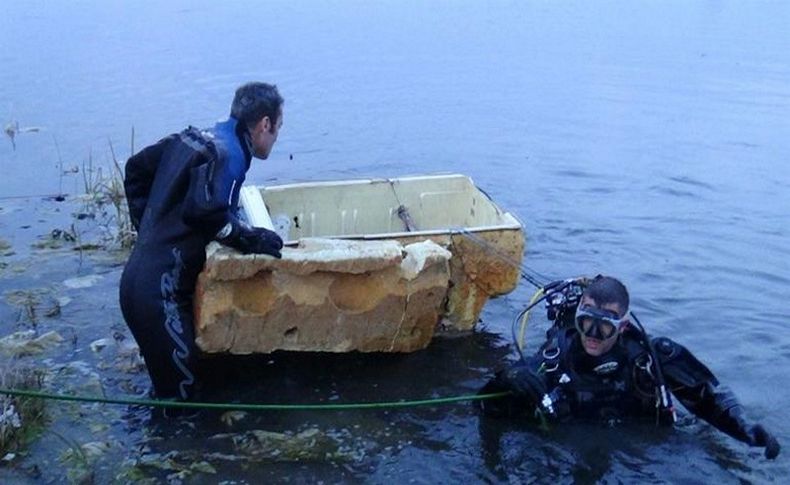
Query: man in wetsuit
{"points": [[183, 192], [598, 364]]}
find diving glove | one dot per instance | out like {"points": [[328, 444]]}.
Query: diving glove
{"points": [[250, 240], [758, 436], [525, 382]]}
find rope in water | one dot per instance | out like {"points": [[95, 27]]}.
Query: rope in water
{"points": [[252, 407], [524, 270]]}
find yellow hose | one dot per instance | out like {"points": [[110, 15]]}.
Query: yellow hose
{"points": [[525, 318]]}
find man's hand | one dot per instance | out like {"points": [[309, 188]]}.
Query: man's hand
{"points": [[251, 240], [526, 383], [760, 437]]}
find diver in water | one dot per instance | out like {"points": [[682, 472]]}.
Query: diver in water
{"points": [[599, 364], [183, 192]]}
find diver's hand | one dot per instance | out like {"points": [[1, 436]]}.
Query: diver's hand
{"points": [[525, 382], [758, 436], [247, 239]]}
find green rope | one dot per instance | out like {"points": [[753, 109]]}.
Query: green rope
{"points": [[252, 407]]}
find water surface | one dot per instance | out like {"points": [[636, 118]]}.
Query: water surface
{"points": [[646, 140]]}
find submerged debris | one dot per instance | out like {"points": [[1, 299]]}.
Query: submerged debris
{"points": [[119, 353], [33, 303], [232, 417], [100, 344], [81, 458], [308, 445], [181, 464], [26, 342], [57, 239], [82, 281], [12, 129]]}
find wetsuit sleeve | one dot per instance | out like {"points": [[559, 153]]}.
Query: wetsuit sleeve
{"points": [[139, 175], [209, 204], [699, 391]]}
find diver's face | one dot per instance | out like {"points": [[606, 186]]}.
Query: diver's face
{"points": [[264, 134], [595, 346]]}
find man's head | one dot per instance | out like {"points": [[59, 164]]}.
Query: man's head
{"points": [[259, 107], [601, 314]]}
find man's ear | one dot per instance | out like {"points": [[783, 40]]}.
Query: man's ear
{"points": [[263, 125]]}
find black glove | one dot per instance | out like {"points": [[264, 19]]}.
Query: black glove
{"points": [[758, 436], [724, 412], [248, 239], [526, 383]]}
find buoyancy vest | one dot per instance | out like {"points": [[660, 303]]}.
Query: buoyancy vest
{"points": [[615, 385]]}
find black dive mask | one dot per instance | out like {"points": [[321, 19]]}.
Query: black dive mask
{"points": [[597, 323]]}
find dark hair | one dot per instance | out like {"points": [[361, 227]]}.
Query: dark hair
{"points": [[605, 290], [254, 101]]}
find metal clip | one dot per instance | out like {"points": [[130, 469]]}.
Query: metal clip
{"points": [[551, 354], [547, 403]]}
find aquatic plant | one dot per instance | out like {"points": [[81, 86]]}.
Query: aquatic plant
{"points": [[104, 204], [21, 418], [117, 196]]}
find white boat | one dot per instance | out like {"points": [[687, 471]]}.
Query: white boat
{"points": [[370, 265]]}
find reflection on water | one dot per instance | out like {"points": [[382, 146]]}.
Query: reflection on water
{"points": [[642, 140]]}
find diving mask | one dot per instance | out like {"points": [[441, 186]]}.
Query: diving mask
{"points": [[597, 323]]}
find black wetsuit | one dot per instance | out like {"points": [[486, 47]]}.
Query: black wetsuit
{"points": [[181, 191], [561, 381]]}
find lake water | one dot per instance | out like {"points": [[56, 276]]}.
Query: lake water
{"points": [[647, 140]]}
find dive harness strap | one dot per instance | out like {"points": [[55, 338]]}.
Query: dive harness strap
{"points": [[663, 397]]}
